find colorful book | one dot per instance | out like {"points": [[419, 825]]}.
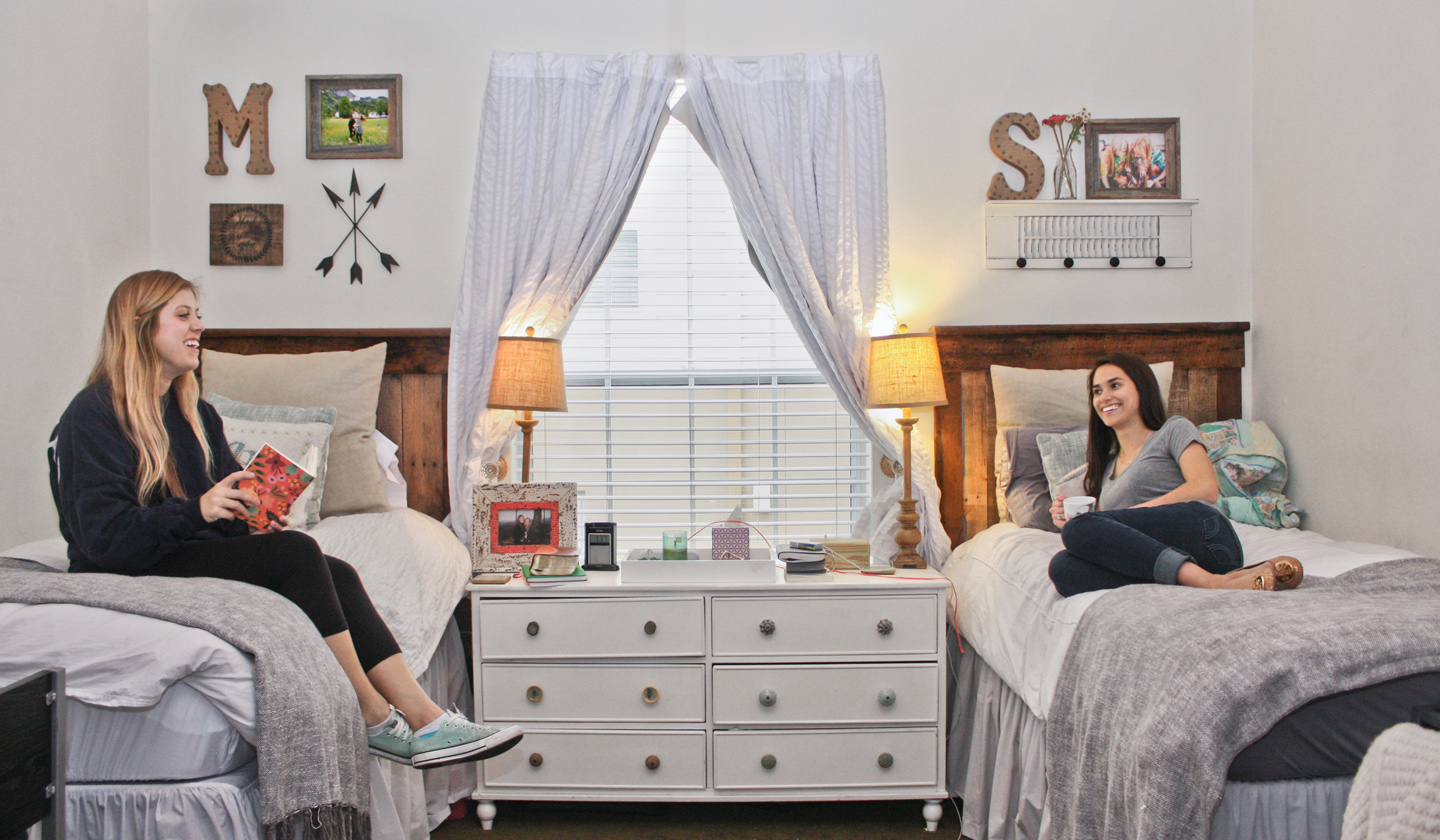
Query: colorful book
{"points": [[278, 482]]}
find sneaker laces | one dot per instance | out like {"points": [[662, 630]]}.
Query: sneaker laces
{"points": [[397, 725]]}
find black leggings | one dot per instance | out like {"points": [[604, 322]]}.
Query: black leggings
{"points": [[291, 563]]}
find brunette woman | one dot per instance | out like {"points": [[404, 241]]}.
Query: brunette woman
{"points": [[146, 484], [1156, 520]]}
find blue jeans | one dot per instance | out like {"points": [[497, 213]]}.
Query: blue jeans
{"points": [[1113, 548]]}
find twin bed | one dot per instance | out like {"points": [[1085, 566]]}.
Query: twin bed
{"points": [[162, 723], [1063, 712], [1150, 711]]}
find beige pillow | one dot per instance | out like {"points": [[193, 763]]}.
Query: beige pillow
{"points": [[1025, 397], [348, 381]]}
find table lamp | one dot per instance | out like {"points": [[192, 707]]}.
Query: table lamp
{"points": [[529, 376], [905, 374]]}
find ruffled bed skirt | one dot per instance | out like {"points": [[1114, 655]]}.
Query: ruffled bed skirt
{"points": [[996, 760]]}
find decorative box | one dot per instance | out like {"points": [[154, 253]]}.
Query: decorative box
{"points": [[729, 543]]}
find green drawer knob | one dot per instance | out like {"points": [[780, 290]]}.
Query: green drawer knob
{"points": [[533, 694], [886, 759], [767, 761], [767, 698], [887, 697]]}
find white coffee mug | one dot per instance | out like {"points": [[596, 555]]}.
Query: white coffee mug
{"points": [[1076, 505]]}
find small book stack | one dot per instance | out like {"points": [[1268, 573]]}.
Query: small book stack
{"points": [[554, 570], [803, 558]]}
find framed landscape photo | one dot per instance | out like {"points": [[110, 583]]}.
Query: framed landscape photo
{"points": [[1132, 158], [515, 522], [353, 117]]}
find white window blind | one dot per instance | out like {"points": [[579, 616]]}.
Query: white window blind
{"points": [[689, 390]]}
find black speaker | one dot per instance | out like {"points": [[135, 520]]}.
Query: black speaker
{"points": [[600, 547]]}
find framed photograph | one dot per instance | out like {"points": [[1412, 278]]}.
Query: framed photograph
{"points": [[353, 117], [515, 522], [1132, 158]]}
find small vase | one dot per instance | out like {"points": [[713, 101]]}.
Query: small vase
{"points": [[1064, 177]]}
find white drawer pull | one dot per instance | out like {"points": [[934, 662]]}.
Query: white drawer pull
{"points": [[767, 697], [885, 627], [887, 697], [767, 761], [886, 760]]}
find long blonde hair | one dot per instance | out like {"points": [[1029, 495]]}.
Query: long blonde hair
{"points": [[130, 365]]}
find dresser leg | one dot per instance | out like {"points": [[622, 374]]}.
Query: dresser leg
{"points": [[932, 812], [485, 811]]}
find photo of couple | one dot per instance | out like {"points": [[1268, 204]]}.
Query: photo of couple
{"points": [[527, 526]]}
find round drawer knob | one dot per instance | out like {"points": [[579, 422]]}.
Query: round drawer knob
{"points": [[652, 762], [767, 698], [533, 628], [767, 761], [885, 760], [887, 697], [533, 694], [650, 694], [767, 627], [649, 628], [884, 626], [536, 759], [1069, 262]]}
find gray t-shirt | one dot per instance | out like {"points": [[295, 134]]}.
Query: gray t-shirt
{"points": [[1154, 472]]}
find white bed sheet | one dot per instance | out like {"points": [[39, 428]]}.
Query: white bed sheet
{"points": [[1019, 624], [181, 738]]}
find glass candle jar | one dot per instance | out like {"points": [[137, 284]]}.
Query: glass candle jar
{"points": [[673, 545]]}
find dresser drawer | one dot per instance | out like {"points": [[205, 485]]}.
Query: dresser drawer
{"points": [[594, 761], [854, 625], [610, 693], [590, 627], [799, 694], [844, 758]]}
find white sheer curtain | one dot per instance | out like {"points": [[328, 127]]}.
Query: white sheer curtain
{"points": [[564, 140], [800, 142]]}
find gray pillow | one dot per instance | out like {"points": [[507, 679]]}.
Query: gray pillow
{"points": [[1028, 494], [290, 429], [1061, 454]]}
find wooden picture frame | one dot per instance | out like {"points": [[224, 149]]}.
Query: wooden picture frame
{"points": [[329, 135], [548, 512], [1126, 175], [247, 234]]}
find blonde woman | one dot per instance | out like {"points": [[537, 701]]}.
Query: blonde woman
{"points": [[145, 484]]}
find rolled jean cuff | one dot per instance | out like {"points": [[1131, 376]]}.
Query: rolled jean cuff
{"points": [[1167, 565]]}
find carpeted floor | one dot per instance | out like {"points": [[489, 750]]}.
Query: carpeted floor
{"points": [[684, 821]]}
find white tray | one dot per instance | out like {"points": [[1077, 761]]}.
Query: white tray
{"points": [[699, 569]]}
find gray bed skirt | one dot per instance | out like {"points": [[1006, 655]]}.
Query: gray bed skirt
{"points": [[996, 761]]}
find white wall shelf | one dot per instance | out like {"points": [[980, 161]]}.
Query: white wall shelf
{"points": [[1109, 233]]}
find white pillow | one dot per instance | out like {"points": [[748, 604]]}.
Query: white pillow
{"points": [[397, 490], [1026, 397], [307, 444]]}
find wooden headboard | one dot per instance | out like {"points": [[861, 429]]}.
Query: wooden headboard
{"points": [[412, 392], [1206, 387]]}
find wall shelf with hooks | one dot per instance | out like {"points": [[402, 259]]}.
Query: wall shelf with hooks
{"points": [[1109, 233]]}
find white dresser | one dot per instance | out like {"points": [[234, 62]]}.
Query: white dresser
{"points": [[829, 690]]}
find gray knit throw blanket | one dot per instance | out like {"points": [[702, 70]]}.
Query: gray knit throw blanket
{"points": [[1164, 685], [313, 764]]}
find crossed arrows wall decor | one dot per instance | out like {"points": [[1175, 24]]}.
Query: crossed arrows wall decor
{"points": [[355, 234]]}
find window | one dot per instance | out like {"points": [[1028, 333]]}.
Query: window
{"points": [[689, 390]]}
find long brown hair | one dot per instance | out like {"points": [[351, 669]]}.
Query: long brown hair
{"points": [[131, 367], [1104, 445]]}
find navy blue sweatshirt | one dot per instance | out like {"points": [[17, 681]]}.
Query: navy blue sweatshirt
{"points": [[92, 477]]}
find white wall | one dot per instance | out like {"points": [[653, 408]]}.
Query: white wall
{"points": [[74, 218], [950, 70], [1347, 304]]}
